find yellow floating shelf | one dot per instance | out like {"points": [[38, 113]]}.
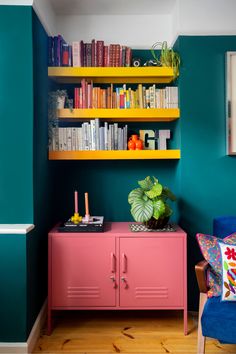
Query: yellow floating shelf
{"points": [[115, 155], [149, 74], [122, 115]]}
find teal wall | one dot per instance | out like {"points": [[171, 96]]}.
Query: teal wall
{"points": [[16, 161], [207, 175], [13, 295], [16, 102], [25, 178], [42, 180], [35, 190]]}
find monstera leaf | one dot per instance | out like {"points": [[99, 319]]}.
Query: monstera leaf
{"points": [[142, 210]]}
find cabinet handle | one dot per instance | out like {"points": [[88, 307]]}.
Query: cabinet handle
{"points": [[124, 281], [124, 263], [113, 279], [113, 263]]}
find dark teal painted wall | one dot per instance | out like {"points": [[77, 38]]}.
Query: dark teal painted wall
{"points": [[13, 294], [42, 180], [16, 102], [207, 177]]}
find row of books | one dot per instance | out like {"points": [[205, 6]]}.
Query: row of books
{"points": [[88, 96], [93, 54], [90, 136]]}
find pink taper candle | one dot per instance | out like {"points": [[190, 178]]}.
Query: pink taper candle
{"points": [[76, 202]]}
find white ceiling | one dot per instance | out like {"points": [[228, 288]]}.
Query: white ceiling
{"points": [[112, 7]]}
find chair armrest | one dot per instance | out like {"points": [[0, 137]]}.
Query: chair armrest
{"points": [[200, 270]]}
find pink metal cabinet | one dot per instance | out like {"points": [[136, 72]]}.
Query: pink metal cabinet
{"points": [[83, 272], [151, 272], [117, 269]]}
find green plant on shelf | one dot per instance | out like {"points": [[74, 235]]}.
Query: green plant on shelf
{"points": [[149, 203], [168, 56]]}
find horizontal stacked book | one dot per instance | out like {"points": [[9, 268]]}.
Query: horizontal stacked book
{"points": [[90, 136], [89, 96], [92, 54]]}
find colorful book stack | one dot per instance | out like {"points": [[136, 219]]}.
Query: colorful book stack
{"points": [[89, 96], [90, 136], [59, 52], [92, 54]]}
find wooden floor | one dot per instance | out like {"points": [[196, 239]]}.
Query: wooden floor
{"points": [[136, 332]]}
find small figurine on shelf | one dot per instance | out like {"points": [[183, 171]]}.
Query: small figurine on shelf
{"points": [[135, 143], [76, 219]]}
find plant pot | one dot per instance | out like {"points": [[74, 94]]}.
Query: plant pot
{"points": [[61, 102], [156, 224]]}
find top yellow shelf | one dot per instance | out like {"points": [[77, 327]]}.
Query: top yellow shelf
{"points": [[149, 74]]}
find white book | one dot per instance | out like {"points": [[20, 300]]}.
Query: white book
{"points": [[61, 139], [93, 134], [115, 136], [73, 142], [109, 137], [76, 53], [68, 145], [125, 136], [106, 135], [80, 139], [76, 139], [86, 136], [101, 138], [97, 124]]}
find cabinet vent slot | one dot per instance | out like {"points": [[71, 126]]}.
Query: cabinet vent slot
{"points": [[151, 292], [83, 292]]}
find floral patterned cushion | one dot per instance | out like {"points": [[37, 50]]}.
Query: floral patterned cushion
{"points": [[228, 271], [210, 249]]}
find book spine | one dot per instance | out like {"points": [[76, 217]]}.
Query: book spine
{"points": [[76, 54], [100, 47], [93, 49]]}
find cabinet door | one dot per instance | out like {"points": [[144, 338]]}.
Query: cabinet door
{"points": [[152, 272], [82, 271]]}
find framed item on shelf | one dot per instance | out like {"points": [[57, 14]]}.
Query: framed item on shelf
{"points": [[231, 103]]}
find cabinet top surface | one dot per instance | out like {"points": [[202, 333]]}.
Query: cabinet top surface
{"points": [[121, 229]]}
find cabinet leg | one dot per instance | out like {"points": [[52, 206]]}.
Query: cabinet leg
{"points": [[49, 322], [185, 322]]}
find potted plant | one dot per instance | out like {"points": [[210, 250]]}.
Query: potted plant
{"points": [[149, 203], [168, 57]]}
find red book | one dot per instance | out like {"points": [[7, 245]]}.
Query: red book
{"points": [[106, 56], [100, 47], [93, 62]]}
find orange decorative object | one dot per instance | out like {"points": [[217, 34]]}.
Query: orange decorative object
{"points": [[131, 144], [135, 143]]}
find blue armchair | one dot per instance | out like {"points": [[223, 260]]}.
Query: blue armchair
{"points": [[217, 319]]}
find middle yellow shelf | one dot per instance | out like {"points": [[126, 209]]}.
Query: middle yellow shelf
{"points": [[122, 115]]}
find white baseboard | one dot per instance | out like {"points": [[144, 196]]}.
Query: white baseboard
{"points": [[27, 347]]}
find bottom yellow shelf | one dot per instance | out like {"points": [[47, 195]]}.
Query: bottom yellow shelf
{"points": [[115, 155]]}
